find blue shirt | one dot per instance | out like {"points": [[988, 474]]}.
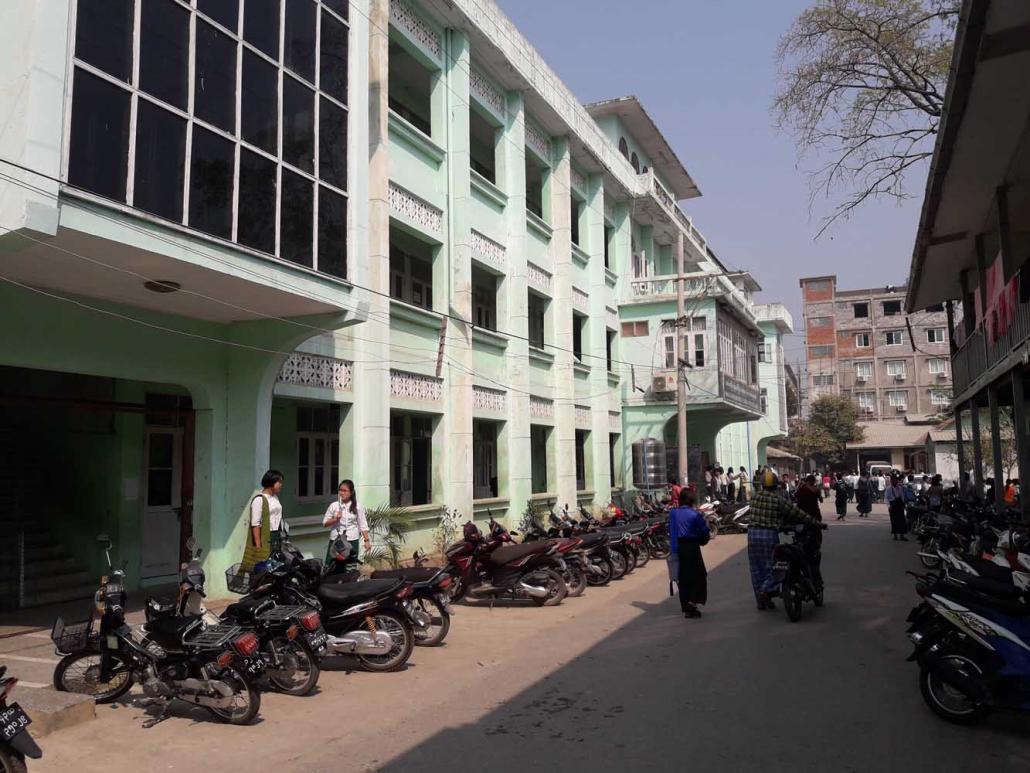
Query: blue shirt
{"points": [[685, 522]]}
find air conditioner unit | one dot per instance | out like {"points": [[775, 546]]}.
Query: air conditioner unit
{"points": [[868, 409], [942, 376], [900, 408], [899, 376], [663, 384], [861, 379]]}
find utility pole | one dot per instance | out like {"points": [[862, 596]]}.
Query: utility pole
{"points": [[681, 385]]}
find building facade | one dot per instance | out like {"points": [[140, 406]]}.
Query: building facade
{"points": [[458, 299], [864, 345]]}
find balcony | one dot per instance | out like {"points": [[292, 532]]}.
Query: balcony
{"points": [[670, 209], [777, 313], [709, 388]]}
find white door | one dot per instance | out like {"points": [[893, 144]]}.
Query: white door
{"points": [[162, 475]]}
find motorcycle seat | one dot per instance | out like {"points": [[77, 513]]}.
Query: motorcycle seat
{"points": [[356, 592], [414, 574], [593, 540], [169, 631], [246, 608], [510, 553], [980, 602], [986, 585]]}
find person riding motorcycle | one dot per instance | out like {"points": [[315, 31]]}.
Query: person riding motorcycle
{"points": [[770, 511]]}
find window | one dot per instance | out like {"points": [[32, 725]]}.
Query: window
{"points": [[935, 335], [582, 436], [897, 399], [537, 308], [940, 397], [693, 342], [579, 323], [575, 207], [484, 459], [484, 299], [861, 310], [609, 235], [635, 329], [609, 344], [204, 107], [820, 321], [411, 274], [820, 352], [818, 285], [937, 308], [613, 468], [763, 398], [937, 365], [863, 340], [411, 458], [634, 162], [863, 371], [411, 89], [894, 338], [318, 450], [535, 174], [538, 440], [624, 148], [896, 368], [482, 146], [824, 380], [669, 344], [866, 401], [891, 308], [765, 352]]}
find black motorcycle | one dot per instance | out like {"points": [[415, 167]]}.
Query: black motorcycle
{"points": [[796, 568], [213, 666], [15, 742]]}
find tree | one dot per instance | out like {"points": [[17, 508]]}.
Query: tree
{"points": [[832, 423], [1009, 449], [862, 89]]}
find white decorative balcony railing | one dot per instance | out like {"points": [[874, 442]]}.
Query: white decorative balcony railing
{"points": [[313, 370], [650, 287], [489, 251], [583, 417], [615, 421], [484, 399], [538, 278], [580, 300], [612, 317], [541, 408], [415, 386]]}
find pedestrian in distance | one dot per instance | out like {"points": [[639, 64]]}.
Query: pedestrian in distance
{"points": [[808, 497], [743, 481], [770, 511], [864, 495], [265, 521], [935, 493], [347, 519], [895, 496], [840, 497], [881, 487], [688, 532], [731, 485], [1011, 494]]}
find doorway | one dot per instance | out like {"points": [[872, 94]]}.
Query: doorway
{"points": [[160, 528]]}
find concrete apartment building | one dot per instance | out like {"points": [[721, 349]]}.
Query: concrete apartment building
{"points": [[376, 240], [862, 343]]}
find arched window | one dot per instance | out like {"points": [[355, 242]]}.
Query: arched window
{"points": [[644, 169], [624, 147], [635, 162]]}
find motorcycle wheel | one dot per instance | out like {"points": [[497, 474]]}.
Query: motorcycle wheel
{"points": [[457, 588], [793, 598], [631, 560], [439, 623], [403, 642], [930, 562], [246, 700], [661, 547], [556, 587], [643, 555], [818, 598], [605, 576], [305, 671], [947, 702], [575, 580], [10, 762], [80, 672], [618, 561]]}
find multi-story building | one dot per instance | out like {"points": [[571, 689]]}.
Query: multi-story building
{"points": [[862, 344], [458, 298]]}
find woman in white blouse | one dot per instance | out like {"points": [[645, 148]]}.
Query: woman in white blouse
{"points": [[266, 512], [347, 519]]}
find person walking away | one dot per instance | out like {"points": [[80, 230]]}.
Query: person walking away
{"points": [[266, 517], [840, 497], [881, 487], [347, 519], [989, 491], [742, 483], [731, 485], [895, 495], [864, 495], [827, 484], [770, 511], [687, 533], [808, 497], [935, 493], [967, 489]]}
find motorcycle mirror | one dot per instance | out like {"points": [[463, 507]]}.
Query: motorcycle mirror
{"points": [[200, 552], [191, 544], [104, 540]]}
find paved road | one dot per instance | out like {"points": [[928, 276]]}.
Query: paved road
{"points": [[614, 681]]}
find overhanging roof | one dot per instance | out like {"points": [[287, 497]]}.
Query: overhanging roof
{"points": [[647, 134], [981, 145]]}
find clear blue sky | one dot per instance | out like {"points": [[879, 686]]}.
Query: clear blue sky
{"points": [[706, 73]]}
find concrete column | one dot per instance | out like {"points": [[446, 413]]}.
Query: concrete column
{"points": [[459, 380], [561, 304], [512, 175], [597, 338], [978, 469], [998, 472], [1019, 425], [371, 420]]}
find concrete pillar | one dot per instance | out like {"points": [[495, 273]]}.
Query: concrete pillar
{"points": [[459, 381], [592, 239], [1020, 427], [978, 464], [998, 472]]}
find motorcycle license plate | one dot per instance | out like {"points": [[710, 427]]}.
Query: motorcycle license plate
{"points": [[12, 721], [781, 566], [317, 641], [445, 602], [111, 642]]}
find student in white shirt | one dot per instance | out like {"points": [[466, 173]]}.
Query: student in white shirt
{"points": [[271, 485], [347, 518]]}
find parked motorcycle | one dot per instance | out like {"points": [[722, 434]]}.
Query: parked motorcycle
{"points": [[15, 742], [185, 659], [796, 568]]}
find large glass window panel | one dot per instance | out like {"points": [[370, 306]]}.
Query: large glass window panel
{"points": [[225, 12], [160, 161], [332, 232], [255, 222], [295, 220], [298, 125], [340, 6], [261, 25], [211, 177], [214, 89], [103, 35], [333, 58], [99, 147], [164, 51], [332, 144], [299, 38], [259, 113]]}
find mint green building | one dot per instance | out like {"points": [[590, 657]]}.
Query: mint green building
{"points": [[377, 240]]}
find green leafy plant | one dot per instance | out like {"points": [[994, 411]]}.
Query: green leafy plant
{"points": [[446, 529], [387, 525]]}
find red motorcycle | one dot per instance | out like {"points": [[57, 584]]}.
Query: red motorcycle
{"points": [[484, 568]]}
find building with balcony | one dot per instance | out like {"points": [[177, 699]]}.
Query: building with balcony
{"points": [[863, 344], [971, 247], [457, 299]]}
